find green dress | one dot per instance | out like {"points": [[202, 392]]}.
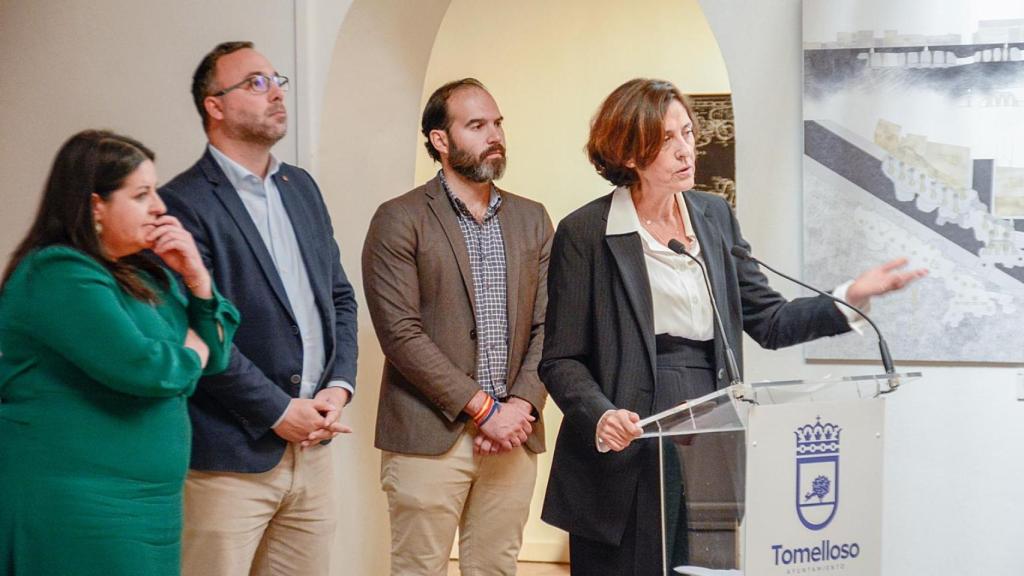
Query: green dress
{"points": [[94, 428]]}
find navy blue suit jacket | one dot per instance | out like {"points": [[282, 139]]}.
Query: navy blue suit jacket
{"points": [[232, 412]]}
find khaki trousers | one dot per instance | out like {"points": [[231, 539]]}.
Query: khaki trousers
{"points": [[279, 522], [486, 497]]}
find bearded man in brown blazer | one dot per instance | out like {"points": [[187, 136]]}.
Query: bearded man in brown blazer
{"points": [[455, 277]]}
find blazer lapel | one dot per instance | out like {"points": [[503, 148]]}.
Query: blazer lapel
{"points": [[439, 204], [512, 227], [228, 196], [628, 252], [712, 250]]}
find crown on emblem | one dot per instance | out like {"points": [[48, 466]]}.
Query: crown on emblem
{"points": [[817, 438]]}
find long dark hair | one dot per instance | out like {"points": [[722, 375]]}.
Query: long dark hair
{"points": [[90, 162]]}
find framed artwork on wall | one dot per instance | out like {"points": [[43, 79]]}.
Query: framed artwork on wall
{"points": [[912, 147]]}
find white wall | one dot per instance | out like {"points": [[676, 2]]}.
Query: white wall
{"points": [[952, 501], [127, 65], [316, 31]]}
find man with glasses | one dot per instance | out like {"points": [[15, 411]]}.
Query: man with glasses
{"points": [[259, 497]]}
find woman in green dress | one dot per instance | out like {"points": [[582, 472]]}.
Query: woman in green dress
{"points": [[99, 349]]}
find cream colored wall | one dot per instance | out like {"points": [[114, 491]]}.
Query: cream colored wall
{"points": [[365, 156], [549, 65], [67, 66]]}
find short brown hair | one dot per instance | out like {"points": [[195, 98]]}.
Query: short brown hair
{"points": [[435, 113], [203, 77], [629, 125]]}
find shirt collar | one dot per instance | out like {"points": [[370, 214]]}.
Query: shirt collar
{"points": [[238, 175], [623, 219], [492, 206]]}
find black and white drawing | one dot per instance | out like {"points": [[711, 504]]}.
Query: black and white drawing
{"points": [[914, 146]]}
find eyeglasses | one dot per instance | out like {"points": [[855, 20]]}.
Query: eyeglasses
{"points": [[257, 84]]}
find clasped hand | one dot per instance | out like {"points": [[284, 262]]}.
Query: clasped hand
{"points": [[310, 421], [508, 428]]}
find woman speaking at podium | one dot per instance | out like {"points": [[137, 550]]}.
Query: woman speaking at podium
{"points": [[630, 327]]}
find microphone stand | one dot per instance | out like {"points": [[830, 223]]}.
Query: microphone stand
{"points": [[731, 367], [883, 347]]}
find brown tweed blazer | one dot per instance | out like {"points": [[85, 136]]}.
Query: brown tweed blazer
{"points": [[419, 291]]}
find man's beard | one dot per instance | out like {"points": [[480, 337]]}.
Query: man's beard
{"points": [[268, 132], [476, 169]]}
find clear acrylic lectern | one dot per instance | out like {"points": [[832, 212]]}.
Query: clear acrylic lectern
{"points": [[727, 475]]}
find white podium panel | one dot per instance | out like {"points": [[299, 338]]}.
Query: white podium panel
{"points": [[814, 489], [777, 478]]}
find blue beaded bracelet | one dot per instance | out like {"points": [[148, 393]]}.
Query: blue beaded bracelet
{"points": [[495, 408]]}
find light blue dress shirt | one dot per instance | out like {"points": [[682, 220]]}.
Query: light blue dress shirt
{"points": [[262, 201]]}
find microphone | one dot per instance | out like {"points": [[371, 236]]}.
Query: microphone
{"points": [[730, 357], [883, 348]]}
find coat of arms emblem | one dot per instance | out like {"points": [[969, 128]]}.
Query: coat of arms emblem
{"points": [[817, 473]]}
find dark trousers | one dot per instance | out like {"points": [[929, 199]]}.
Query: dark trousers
{"points": [[685, 371]]}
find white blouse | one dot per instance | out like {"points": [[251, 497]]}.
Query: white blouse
{"points": [[682, 306]]}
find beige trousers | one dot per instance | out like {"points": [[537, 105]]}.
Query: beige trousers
{"points": [[279, 522], [486, 497]]}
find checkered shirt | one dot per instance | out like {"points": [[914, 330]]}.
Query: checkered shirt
{"points": [[487, 262]]}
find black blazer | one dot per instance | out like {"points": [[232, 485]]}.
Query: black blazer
{"points": [[232, 412], [599, 349]]}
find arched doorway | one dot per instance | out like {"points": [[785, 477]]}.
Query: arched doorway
{"points": [[548, 66]]}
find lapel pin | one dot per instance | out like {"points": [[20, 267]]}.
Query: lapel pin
{"points": [[284, 177]]}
